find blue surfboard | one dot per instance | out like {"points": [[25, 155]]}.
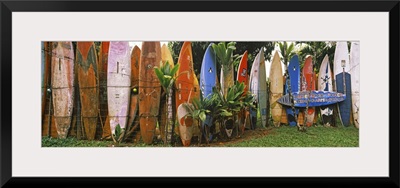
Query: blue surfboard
{"points": [[341, 66], [208, 77], [302, 99], [344, 106], [294, 78]]}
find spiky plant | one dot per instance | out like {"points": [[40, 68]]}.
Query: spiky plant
{"points": [[167, 77]]}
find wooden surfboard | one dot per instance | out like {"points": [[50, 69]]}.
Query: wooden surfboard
{"points": [[187, 88], [134, 101], [355, 81], [208, 79], [46, 61], [284, 115], [243, 77], [294, 74], [325, 84], [276, 85], [86, 59], [149, 90], [308, 84], [118, 85], [343, 80], [103, 63], [62, 79]]}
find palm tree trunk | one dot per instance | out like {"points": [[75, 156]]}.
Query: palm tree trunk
{"points": [[227, 78], [169, 127]]}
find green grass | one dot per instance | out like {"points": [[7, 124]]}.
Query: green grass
{"points": [[284, 136], [73, 142], [314, 137]]}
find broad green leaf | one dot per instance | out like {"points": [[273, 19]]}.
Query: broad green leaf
{"points": [[175, 69], [159, 74], [202, 116], [226, 114], [167, 69]]}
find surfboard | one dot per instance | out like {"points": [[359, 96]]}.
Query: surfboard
{"points": [[355, 81], [242, 76], [86, 59], [187, 88], [253, 87], [43, 62], [263, 90], [308, 84], [46, 61], [166, 56], [149, 90], [325, 84], [258, 87], [185, 124], [294, 74], [118, 85], [276, 87], [208, 79], [62, 79], [103, 99], [343, 80], [134, 101], [312, 98]]}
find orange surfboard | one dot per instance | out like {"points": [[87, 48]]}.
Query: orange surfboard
{"points": [[187, 88], [308, 84], [134, 102], [103, 59], [86, 59], [45, 73], [46, 61], [243, 77], [149, 90]]}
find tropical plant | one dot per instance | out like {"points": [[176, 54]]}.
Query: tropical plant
{"points": [[317, 50], [287, 52], [167, 77], [119, 134], [230, 105], [224, 53], [199, 110]]}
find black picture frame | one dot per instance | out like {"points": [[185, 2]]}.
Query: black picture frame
{"points": [[8, 7]]}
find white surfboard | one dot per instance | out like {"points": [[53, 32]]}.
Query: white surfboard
{"points": [[355, 81]]}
